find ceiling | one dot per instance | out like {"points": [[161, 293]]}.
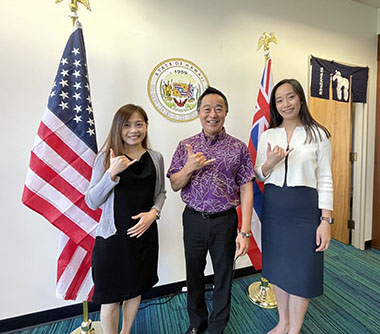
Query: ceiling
{"points": [[372, 3]]}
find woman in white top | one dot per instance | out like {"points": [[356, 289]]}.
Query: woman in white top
{"points": [[294, 160]]}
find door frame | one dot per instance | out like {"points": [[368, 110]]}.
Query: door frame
{"points": [[376, 179], [361, 198]]}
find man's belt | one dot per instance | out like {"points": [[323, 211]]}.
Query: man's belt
{"points": [[210, 214]]}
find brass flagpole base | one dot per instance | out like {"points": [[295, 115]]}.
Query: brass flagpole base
{"points": [[262, 294], [89, 327]]}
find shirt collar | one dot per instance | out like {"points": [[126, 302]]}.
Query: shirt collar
{"points": [[219, 136]]}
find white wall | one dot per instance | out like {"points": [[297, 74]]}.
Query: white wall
{"points": [[125, 40]]}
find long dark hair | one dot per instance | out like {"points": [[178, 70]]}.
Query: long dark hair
{"points": [[114, 139], [310, 124]]}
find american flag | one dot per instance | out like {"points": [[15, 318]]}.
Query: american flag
{"points": [[260, 123], [60, 170]]}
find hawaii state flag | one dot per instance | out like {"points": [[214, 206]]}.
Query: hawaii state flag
{"points": [[259, 125], [60, 169]]}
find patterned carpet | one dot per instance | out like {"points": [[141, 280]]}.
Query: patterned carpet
{"points": [[350, 304]]}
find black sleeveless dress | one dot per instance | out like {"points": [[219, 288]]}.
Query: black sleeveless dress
{"points": [[124, 267]]}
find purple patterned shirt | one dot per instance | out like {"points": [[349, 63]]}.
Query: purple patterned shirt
{"points": [[214, 188]]}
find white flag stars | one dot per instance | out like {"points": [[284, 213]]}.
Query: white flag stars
{"points": [[64, 72], [76, 96], [64, 61], [91, 131], [76, 73], [75, 51], [63, 83], [70, 96], [77, 119], [78, 108], [64, 95], [77, 85], [63, 105]]}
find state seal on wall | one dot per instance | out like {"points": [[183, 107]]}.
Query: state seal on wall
{"points": [[174, 87]]}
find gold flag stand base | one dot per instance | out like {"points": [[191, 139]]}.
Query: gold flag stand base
{"points": [[88, 326], [262, 294]]}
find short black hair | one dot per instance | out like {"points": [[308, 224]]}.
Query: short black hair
{"points": [[211, 90]]}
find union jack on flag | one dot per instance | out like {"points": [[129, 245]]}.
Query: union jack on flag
{"points": [[60, 169], [260, 124]]}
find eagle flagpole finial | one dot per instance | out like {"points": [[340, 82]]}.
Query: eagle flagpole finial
{"points": [[264, 41], [74, 7]]}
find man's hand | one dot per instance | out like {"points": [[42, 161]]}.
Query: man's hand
{"points": [[197, 160], [242, 245], [194, 161]]}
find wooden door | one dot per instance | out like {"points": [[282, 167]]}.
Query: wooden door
{"points": [[337, 118], [376, 179]]}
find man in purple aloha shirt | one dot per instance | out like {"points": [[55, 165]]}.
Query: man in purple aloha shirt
{"points": [[214, 172]]}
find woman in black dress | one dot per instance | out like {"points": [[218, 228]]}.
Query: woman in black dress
{"points": [[294, 160], [127, 183]]}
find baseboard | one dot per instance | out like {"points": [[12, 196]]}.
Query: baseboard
{"points": [[57, 314]]}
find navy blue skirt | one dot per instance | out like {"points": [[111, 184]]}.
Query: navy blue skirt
{"points": [[290, 220]]}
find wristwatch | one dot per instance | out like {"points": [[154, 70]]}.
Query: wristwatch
{"points": [[157, 214], [245, 235], [330, 220]]}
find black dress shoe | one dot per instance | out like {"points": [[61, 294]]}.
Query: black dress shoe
{"points": [[192, 331], [195, 330]]}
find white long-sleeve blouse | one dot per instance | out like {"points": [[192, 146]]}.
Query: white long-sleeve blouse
{"points": [[309, 164]]}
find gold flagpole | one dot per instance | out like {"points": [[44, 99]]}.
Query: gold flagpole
{"points": [[261, 293], [87, 326]]}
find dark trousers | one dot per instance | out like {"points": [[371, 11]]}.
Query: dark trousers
{"points": [[216, 235]]}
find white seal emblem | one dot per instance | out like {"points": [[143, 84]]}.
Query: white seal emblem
{"points": [[174, 87]]}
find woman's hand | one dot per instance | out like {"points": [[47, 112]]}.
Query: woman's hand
{"points": [[146, 219], [118, 164], [323, 236], [274, 156]]}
